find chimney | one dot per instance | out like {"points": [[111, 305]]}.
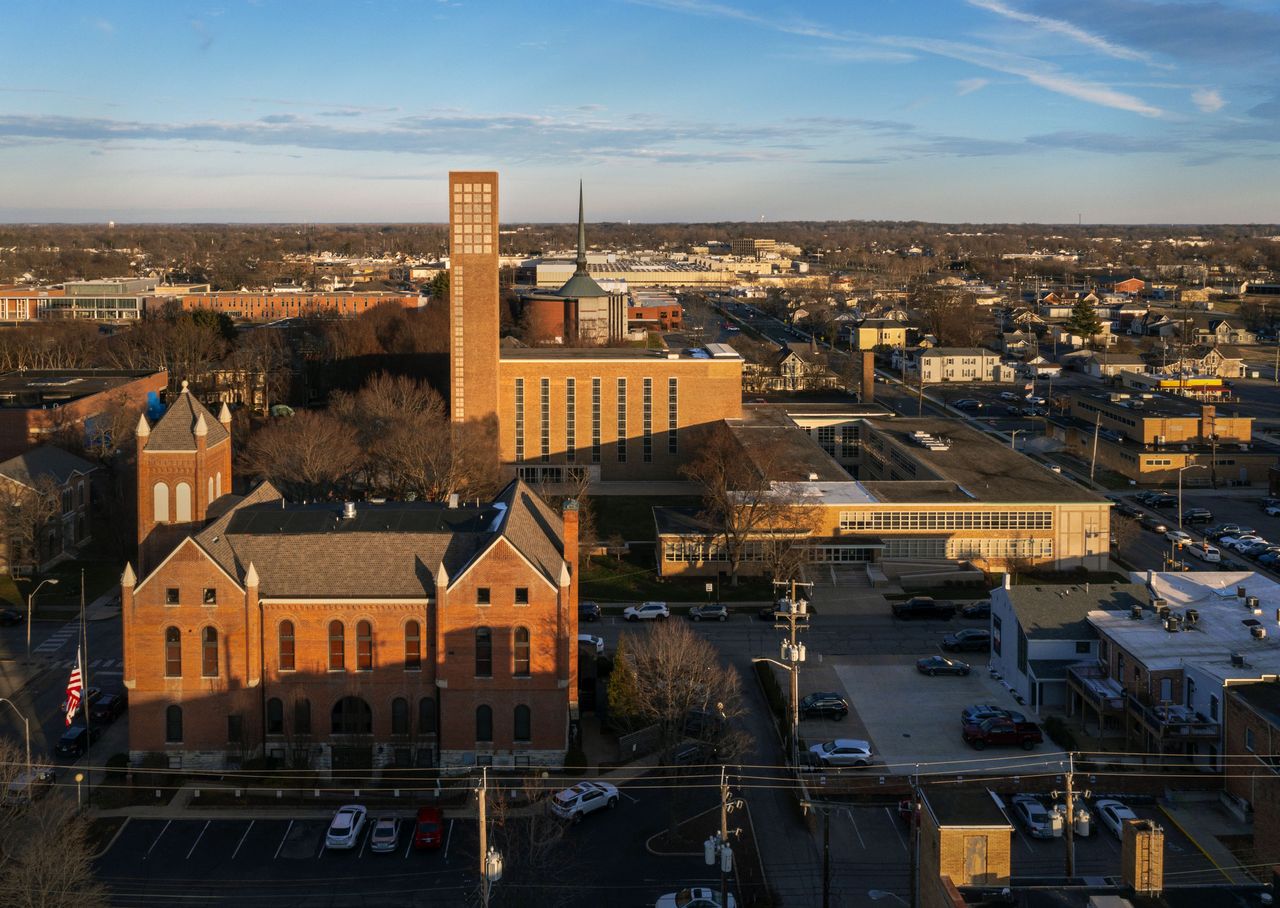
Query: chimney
{"points": [[1142, 858], [348, 510], [868, 376], [453, 501], [1008, 581], [569, 513]]}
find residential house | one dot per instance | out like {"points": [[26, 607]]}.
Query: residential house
{"points": [[1251, 734], [48, 494], [958, 364], [1109, 365], [1214, 331], [881, 332], [1221, 361], [796, 367], [1018, 344]]}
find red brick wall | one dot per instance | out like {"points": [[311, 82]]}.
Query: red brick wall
{"points": [[172, 467], [262, 306], [1247, 777]]}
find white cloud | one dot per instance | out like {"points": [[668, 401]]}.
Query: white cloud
{"points": [[969, 86], [1065, 30], [1209, 100]]}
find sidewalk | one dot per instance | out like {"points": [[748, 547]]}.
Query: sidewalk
{"points": [[1203, 822]]}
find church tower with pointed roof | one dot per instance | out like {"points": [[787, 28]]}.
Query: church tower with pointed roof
{"points": [[184, 465]]}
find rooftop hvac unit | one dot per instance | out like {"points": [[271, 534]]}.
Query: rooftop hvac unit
{"points": [[1159, 439], [1237, 660], [1163, 612], [1135, 613], [1173, 624], [1159, 603], [1251, 602], [1191, 617], [1259, 632], [1241, 592]]}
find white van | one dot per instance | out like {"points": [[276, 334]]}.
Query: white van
{"points": [[1205, 552]]}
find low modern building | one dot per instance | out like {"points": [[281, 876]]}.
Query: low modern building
{"points": [[117, 300]]}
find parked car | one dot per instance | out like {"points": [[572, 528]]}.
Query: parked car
{"points": [[592, 642], [977, 609], [971, 639], [1032, 814], [1258, 548], [588, 611], [87, 699], [924, 607], [1154, 524], [27, 786], [647, 611], [110, 707], [1197, 515], [76, 740], [697, 897], [1269, 558], [1008, 395], [843, 752], [574, 803], [345, 828], [1273, 511], [1000, 731], [714, 612], [385, 835], [941, 665], [1181, 537], [1227, 529], [1162, 502], [1113, 815], [967, 403], [1128, 510], [1205, 552], [824, 703], [1268, 503], [980, 712], [9, 617], [428, 829], [1239, 543]]}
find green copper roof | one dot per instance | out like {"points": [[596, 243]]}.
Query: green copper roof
{"points": [[582, 286]]}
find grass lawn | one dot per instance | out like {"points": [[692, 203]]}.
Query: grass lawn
{"points": [[635, 578], [99, 577], [631, 516]]}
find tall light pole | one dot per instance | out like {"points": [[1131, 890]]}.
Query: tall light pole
{"points": [[1013, 438], [31, 606], [27, 725], [1181, 470]]}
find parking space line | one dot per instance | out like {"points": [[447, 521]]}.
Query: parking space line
{"points": [[242, 838], [628, 797], [412, 832], [157, 841], [198, 838], [368, 834], [282, 838], [447, 839], [893, 821], [854, 823]]}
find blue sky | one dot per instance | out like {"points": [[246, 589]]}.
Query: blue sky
{"points": [[964, 110]]}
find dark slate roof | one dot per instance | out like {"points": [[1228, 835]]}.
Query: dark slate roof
{"points": [[1060, 612], [176, 430], [46, 460], [387, 550], [953, 806]]}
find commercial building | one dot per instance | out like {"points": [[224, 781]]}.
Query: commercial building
{"points": [[341, 636], [117, 300], [22, 304], [257, 307]]}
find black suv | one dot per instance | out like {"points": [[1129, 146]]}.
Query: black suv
{"points": [[75, 741], [588, 611], [824, 703]]}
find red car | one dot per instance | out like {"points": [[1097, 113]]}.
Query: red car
{"points": [[1002, 731], [427, 832]]}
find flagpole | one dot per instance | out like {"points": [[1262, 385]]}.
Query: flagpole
{"points": [[84, 680]]}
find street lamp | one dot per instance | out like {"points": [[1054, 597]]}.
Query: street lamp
{"points": [[27, 724], [79, 779], [1181, 470], [1013, 443], [31, 606]]}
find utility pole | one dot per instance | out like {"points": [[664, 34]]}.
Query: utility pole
{"points": [[1069, 836], [826, 858], [484, 838], [1093, 461], [716, 848], [793, 654], [916, 806]]}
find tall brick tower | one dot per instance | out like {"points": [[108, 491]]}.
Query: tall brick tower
{"points": [[184, 464], [473, 295]]}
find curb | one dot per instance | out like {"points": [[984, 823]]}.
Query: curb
{"points": [[1182, 829], [112, 843], [675, 854]]}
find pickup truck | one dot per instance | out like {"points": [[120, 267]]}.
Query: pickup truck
{"points": [[924, 607], [1002, 731]]}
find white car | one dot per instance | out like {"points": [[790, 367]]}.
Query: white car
{"points": [[1205, 552], [1008, 395], [843, 752], [646, 611], [1113, 815], [586, 797], [1273, 511], [344, 831], [694, 898], [1179, 536], [1240, 543], [1033, 815], [385, 835], [593, 642]]}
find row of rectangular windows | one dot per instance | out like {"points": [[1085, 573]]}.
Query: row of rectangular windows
{"points": [[946, 520], [571, 419]]}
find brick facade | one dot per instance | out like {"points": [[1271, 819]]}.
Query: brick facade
{"points": [[1252, 736], [254, 307]]}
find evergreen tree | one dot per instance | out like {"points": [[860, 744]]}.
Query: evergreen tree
{"points": [[624, 687], [1084, 320]]}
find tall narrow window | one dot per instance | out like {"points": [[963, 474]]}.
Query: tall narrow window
{"points": [[275, 716], [286, 646], [522, 727], [172, 653], [595, 420], [544, 406], [399, 716], [182, 502], [622, 420], [484, 652], [646, 420], [427, 716], [673, 415], [484, 724], [217, 486], [520, 653], [173, 725], [160, 502], [302, 717], [337, 647], [519, 420], [412, 646], [209, 652], [210, 498], [364, 646], [571, 420]]}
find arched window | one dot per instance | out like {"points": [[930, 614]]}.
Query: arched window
{"points": [[210, 498], [427, 716], [523, 725], [302, 717], [209, 652], [172, 652], [275, 716], [182, 502], [217, 487], [286, 646], [520, 653], [412, 646], [364, 646], [160, 502], [399, 716], [337, 647], [484, 724], [173, 725], [352, 716], [484, 652]]}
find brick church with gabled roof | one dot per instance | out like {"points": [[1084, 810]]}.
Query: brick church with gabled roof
{"points": [[341, 635]]}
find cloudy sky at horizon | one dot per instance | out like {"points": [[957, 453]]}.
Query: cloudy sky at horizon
{"points": [[1116, 111]]}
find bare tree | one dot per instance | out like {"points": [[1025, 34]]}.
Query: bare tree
{"points": [[532, 841], [307, 455], [28, 514]]}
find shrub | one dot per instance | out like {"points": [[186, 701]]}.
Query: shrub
{"points": [[1058, 732], [575, 758]]}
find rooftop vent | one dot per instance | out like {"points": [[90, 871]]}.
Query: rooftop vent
{"points": [[1192, 617], [1237, 660], [1135, 613], [348, 510], [1158, 603], [1173, 624], [1259, 632], [1241, 592], [1251, 602], [1164, 612]]}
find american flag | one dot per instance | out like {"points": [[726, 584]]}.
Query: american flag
{"points": [[75, 684]]}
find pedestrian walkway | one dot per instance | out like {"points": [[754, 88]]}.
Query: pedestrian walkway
{"points": [[58, 639], [95, 666]]}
